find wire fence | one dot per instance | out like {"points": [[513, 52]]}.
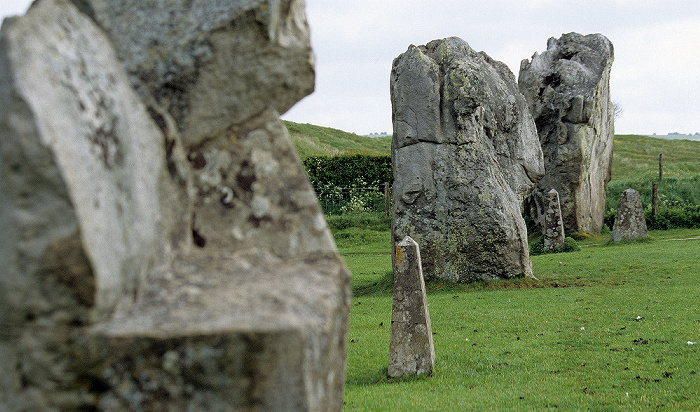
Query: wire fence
{"points": [[343, 200]]}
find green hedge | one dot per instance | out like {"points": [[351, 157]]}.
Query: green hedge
{"points": [[678, 217], [679, 202], [672, 218], [349, 170]]}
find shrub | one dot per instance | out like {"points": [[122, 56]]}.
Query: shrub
{"points": [[357, 170], [674, 218], [537, 246]]}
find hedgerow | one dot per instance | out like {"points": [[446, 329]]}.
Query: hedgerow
{"points": [[356, 170]]}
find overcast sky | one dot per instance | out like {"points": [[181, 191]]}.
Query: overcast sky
{"points": [[655, 77]]}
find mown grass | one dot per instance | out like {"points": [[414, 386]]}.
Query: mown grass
{"points": [[604, 328]]}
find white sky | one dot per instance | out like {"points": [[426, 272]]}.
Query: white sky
{"points": [[655, 76]]}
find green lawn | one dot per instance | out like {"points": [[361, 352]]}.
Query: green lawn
{"points": [[605, 328]]}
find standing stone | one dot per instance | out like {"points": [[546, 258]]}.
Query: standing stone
{"points": [[553, 224], [148, 263], [465, 154], [411, 349], [568, 90], [630, 223]]}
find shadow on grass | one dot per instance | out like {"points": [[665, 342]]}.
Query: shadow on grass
{"points": [[384, 286], [380, 377], [647, 239], [381, 287]]}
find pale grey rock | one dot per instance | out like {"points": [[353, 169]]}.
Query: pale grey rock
{"points": [[411, 348], [85, 194], [630, 223], [568, 90], [220, 330], [198, 58], [465, 154], [553, 223], [141, 272]]}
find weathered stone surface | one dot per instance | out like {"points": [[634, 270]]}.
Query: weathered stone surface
{"points": [[216, 330], [568, 90], [553, 224], [199, 65], [411, 348], [84, 187], [465, 154], [141, 272], [630, 223]]}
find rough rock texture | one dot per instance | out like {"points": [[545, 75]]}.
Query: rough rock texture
{"points": [[553, 224], [568, 90], [200, 64], [411, 349], [630, 223], [148, 263], [465, 154]]}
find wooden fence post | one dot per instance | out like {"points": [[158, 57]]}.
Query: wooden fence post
{"points": [[661, 166], [654, 198]]}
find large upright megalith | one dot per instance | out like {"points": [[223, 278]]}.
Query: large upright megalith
{"points": [[162, 247], [568, 90], [465, 154]]}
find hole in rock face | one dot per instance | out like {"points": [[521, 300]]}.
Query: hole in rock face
{"points": [[246, 177], [198, 161], [552, 80], [198, 239]]}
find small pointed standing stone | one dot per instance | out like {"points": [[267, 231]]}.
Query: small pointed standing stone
{"points": [[411, 350], [629, 219], [553, 224]]}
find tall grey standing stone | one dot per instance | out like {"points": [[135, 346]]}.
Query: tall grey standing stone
{"points": [[411, 348], [148, 264], [568, 90], [630, 223], [553, 224], [465, 154]]}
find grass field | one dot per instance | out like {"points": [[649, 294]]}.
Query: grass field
{"points": [[605, 328], [311, 140]]}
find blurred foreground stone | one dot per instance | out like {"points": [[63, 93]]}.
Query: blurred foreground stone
{"points": [[157, 254]]}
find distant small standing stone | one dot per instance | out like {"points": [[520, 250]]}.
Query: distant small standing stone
{"points": [[411, 350], [629, 220], [553, 223]]}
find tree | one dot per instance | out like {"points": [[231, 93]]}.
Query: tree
{"points": [[618, 110]]}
